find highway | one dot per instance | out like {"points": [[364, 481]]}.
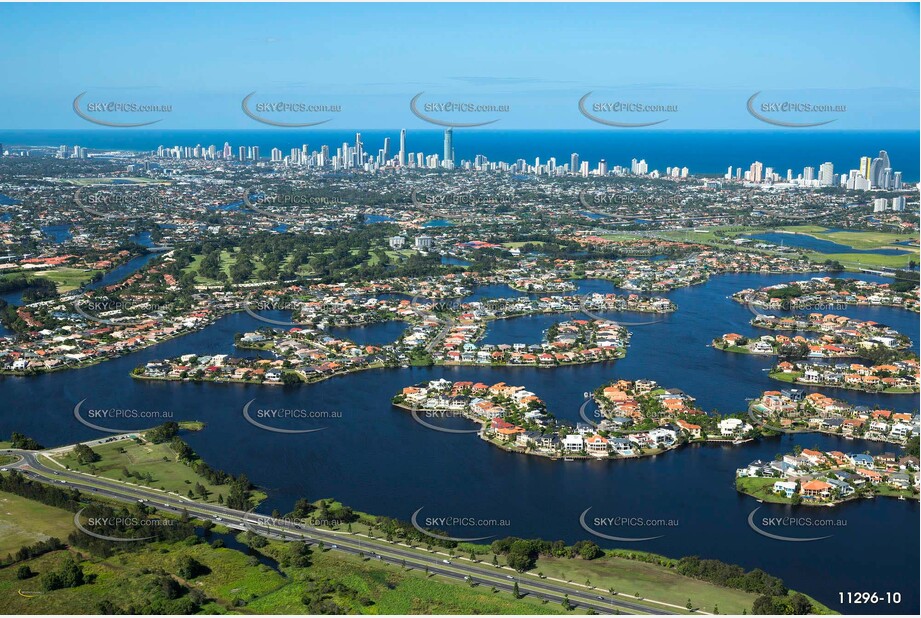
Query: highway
{"points": [[32, 465]]}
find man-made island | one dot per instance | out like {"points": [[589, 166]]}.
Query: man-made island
{"points": [[635, 419], [811, 477]]}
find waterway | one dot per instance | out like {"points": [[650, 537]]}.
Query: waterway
{"points": [[819, 245], [379, 460]]}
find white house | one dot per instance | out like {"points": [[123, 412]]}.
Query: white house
{"points": [[573, 443], [787, 488], [733, 427]]}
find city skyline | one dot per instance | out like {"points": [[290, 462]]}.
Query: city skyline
{"points": [[871, 173]]}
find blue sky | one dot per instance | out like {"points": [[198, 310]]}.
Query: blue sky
{"points": [[371, 59]]}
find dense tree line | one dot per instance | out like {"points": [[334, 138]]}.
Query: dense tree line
{"points": [[240, 494], [63, 498], [522, 554], [27, 552], [21, 441], [163, 433], [796, 604], [129, 521], [731, 576], [35, 288]]}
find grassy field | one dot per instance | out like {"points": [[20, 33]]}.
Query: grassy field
{"points": [[127, 579], [394, 590], [864, 260], [853, 239], [25, 522], [159, 460], [68, 279], [227, 260], [234, 582], [761, 488], [856, 240], [631, 577]]}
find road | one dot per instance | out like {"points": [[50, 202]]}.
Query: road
{"points": [[32, 464]]}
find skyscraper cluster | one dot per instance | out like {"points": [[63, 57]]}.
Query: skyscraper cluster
{"points": [[873, 173], [352, 156]]}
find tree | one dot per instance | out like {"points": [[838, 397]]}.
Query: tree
{"points": [[522, 555], [912, 446], [800, 605], [190, 568], [24, 572], [515, 592], [68, 575], [86, 455]]}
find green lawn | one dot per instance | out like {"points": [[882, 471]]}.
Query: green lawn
{"points": [[227, 260], [68, 279], [865, 260], [785, 377], [25, 522], [854, 239], [761, 488], [157, 459], [629, 577], [394, 590]]}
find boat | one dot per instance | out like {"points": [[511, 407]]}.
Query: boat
{"points": [[568, 459], [585, 394]]}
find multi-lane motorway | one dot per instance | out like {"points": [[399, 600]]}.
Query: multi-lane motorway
{"points": [[39, 468]]}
